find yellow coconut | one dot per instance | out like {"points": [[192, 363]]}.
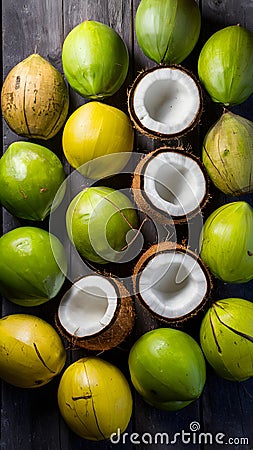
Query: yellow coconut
{"points": [[31, 352], [96, 130], [95, 399], [35, 98]]}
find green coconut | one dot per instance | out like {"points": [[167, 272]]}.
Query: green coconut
{"points": [[30, 178], [225, 65], [226, 243], [29, 273], [98, 222], [95, 60], [167, 31], [226, 336], [31, 351], [228, 154], [167, 368]]}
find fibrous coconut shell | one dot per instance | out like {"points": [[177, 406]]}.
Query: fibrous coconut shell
{"points": [[144, 260], [115, 332], [141, 197]]}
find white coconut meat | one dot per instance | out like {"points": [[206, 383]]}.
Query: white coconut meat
{"points": [[166, 101], [174, 183], [172, 285], [88, 307]]}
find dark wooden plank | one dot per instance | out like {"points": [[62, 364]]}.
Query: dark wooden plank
{"points": [[222, 13], [227, 409], [226, 404]]}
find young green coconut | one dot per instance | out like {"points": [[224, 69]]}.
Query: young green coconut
{"points": [[101, 222], [170, 185], [226, 242], [171, 282], [228, 154], [96, 313], [29, 266], [225, 65], [30, 178], [95, 59], [167, 368], [167, 31], [165, 102], [226, 337]]}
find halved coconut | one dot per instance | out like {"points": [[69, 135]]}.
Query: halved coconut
{"points": [[165, 102], [171, 186], [171, 282], [96, 313]]}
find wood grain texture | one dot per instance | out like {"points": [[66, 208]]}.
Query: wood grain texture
{"points": [[30, 419]]}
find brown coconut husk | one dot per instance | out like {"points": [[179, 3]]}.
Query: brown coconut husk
{"points": [[163, 247], [142, 200], [155, 134], [115, 332], [35, 98]]}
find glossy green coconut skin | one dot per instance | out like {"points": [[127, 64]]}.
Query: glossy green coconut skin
{"points": [[226, 243], [167, 31], [95, 60], [225, 65], [29, 274], [167, 368], [98, 221], [228, 154], [226, 337], [30, 177]]}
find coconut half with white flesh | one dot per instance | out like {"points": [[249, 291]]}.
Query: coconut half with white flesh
{"points": [[171, 282], [170, 185], [165, 102], [96, 313]]}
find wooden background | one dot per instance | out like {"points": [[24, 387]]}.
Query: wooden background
{"points": [[30, 418]]}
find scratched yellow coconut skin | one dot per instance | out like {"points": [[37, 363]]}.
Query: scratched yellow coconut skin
{"points": [[31, 351], [94, 399]]}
